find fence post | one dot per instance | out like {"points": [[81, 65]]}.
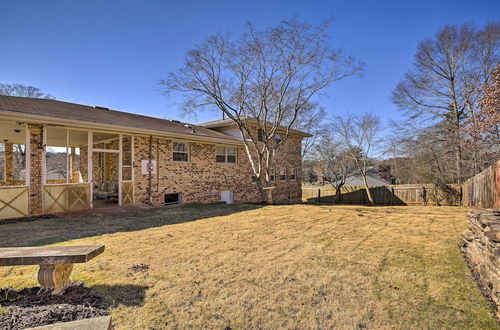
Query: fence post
{"points": [[319, 195], [392, 194]]}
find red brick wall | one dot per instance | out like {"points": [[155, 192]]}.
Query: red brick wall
{"points": [[35, 167], [202, 179]]}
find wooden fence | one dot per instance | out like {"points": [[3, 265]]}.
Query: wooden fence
{"points": [[483, 190], [427, 194]]}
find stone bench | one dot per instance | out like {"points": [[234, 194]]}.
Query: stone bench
{"points": [[56, 262]]}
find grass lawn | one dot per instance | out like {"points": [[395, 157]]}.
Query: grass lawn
{"points": [[296, 266]]}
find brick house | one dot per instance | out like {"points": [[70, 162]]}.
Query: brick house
{"points": [[108, 156]]}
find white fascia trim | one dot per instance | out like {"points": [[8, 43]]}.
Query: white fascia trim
{"points": [[48, 120]]}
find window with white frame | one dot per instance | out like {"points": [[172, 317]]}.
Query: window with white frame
{"points": [[225, 155], [293, 174], [283, 174], [278, 138], [180, 152], [272, 175]]}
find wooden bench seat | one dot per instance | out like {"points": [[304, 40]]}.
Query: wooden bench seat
{"points": [[56, 262]]}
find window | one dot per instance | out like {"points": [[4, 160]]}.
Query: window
{"points": [[254, 178], [174, 198], [260, 135], [181, 152], [283, 174], [225, 155], [278, 138], [293, 174], [273, 175]]}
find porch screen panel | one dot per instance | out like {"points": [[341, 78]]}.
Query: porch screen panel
{"points": [[77, 156], [12, 154], [56, 156]]}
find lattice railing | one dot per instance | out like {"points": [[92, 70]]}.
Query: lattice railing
{"points": [[66, 197], [13, 202], [127, 192]]}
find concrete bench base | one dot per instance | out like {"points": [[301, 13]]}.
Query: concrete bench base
{"points": [[55, 277]]}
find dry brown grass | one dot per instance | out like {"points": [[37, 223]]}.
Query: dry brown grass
{"points": [[297, 266]]}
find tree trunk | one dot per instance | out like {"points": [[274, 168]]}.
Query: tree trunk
{"points": [[458, 156], [367, 188], [338, 194]]}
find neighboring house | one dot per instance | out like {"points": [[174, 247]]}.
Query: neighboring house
{"points": [[375, 177], [151, 160]]}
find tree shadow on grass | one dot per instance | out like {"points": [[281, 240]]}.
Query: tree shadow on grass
{"points": [[122, 294], [50, 231]]}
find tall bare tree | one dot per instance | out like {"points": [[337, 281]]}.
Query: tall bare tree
{"points": [[23, 91], [361, 136], [261, 80], [311, 121], [445, 82]]}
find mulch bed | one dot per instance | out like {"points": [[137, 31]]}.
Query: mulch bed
{"points": [[29, 308]]}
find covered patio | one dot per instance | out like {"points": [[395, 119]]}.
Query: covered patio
{"points": [[52, 169]]}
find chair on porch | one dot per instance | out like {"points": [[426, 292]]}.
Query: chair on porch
{"points": [[106, 190]]}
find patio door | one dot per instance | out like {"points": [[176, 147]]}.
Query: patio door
{"points": [[115, 153]]}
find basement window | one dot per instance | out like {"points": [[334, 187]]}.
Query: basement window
{"points": [[174, 198]]}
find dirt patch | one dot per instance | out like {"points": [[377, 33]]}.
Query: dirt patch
{"points": [[30, 308], [27, 219]]}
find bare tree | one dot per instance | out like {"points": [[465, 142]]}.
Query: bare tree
{"points": [[444, 84], [311, 121], [262, 80], [361, 136], [334, 162], [23, 91]]}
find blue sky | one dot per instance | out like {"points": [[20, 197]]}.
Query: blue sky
{"points": [[112, 53]]}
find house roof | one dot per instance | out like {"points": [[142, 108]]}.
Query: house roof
{"points": [[50, 110], [354, 179], [230, 122]]}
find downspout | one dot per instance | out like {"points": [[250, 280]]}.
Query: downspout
{"points": [[150, 170], [157, 164]]}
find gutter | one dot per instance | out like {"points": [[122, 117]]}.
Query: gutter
{"points": [[47, 120]]}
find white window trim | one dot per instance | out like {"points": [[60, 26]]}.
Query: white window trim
{"points": [[226, 155], [188, 152], [283, 180], [294, 172]]}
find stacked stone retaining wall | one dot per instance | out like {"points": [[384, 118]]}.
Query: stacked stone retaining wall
{"points": [[482, 249]]}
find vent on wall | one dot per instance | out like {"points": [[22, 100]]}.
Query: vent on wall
{"points": [[174, 198]]}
